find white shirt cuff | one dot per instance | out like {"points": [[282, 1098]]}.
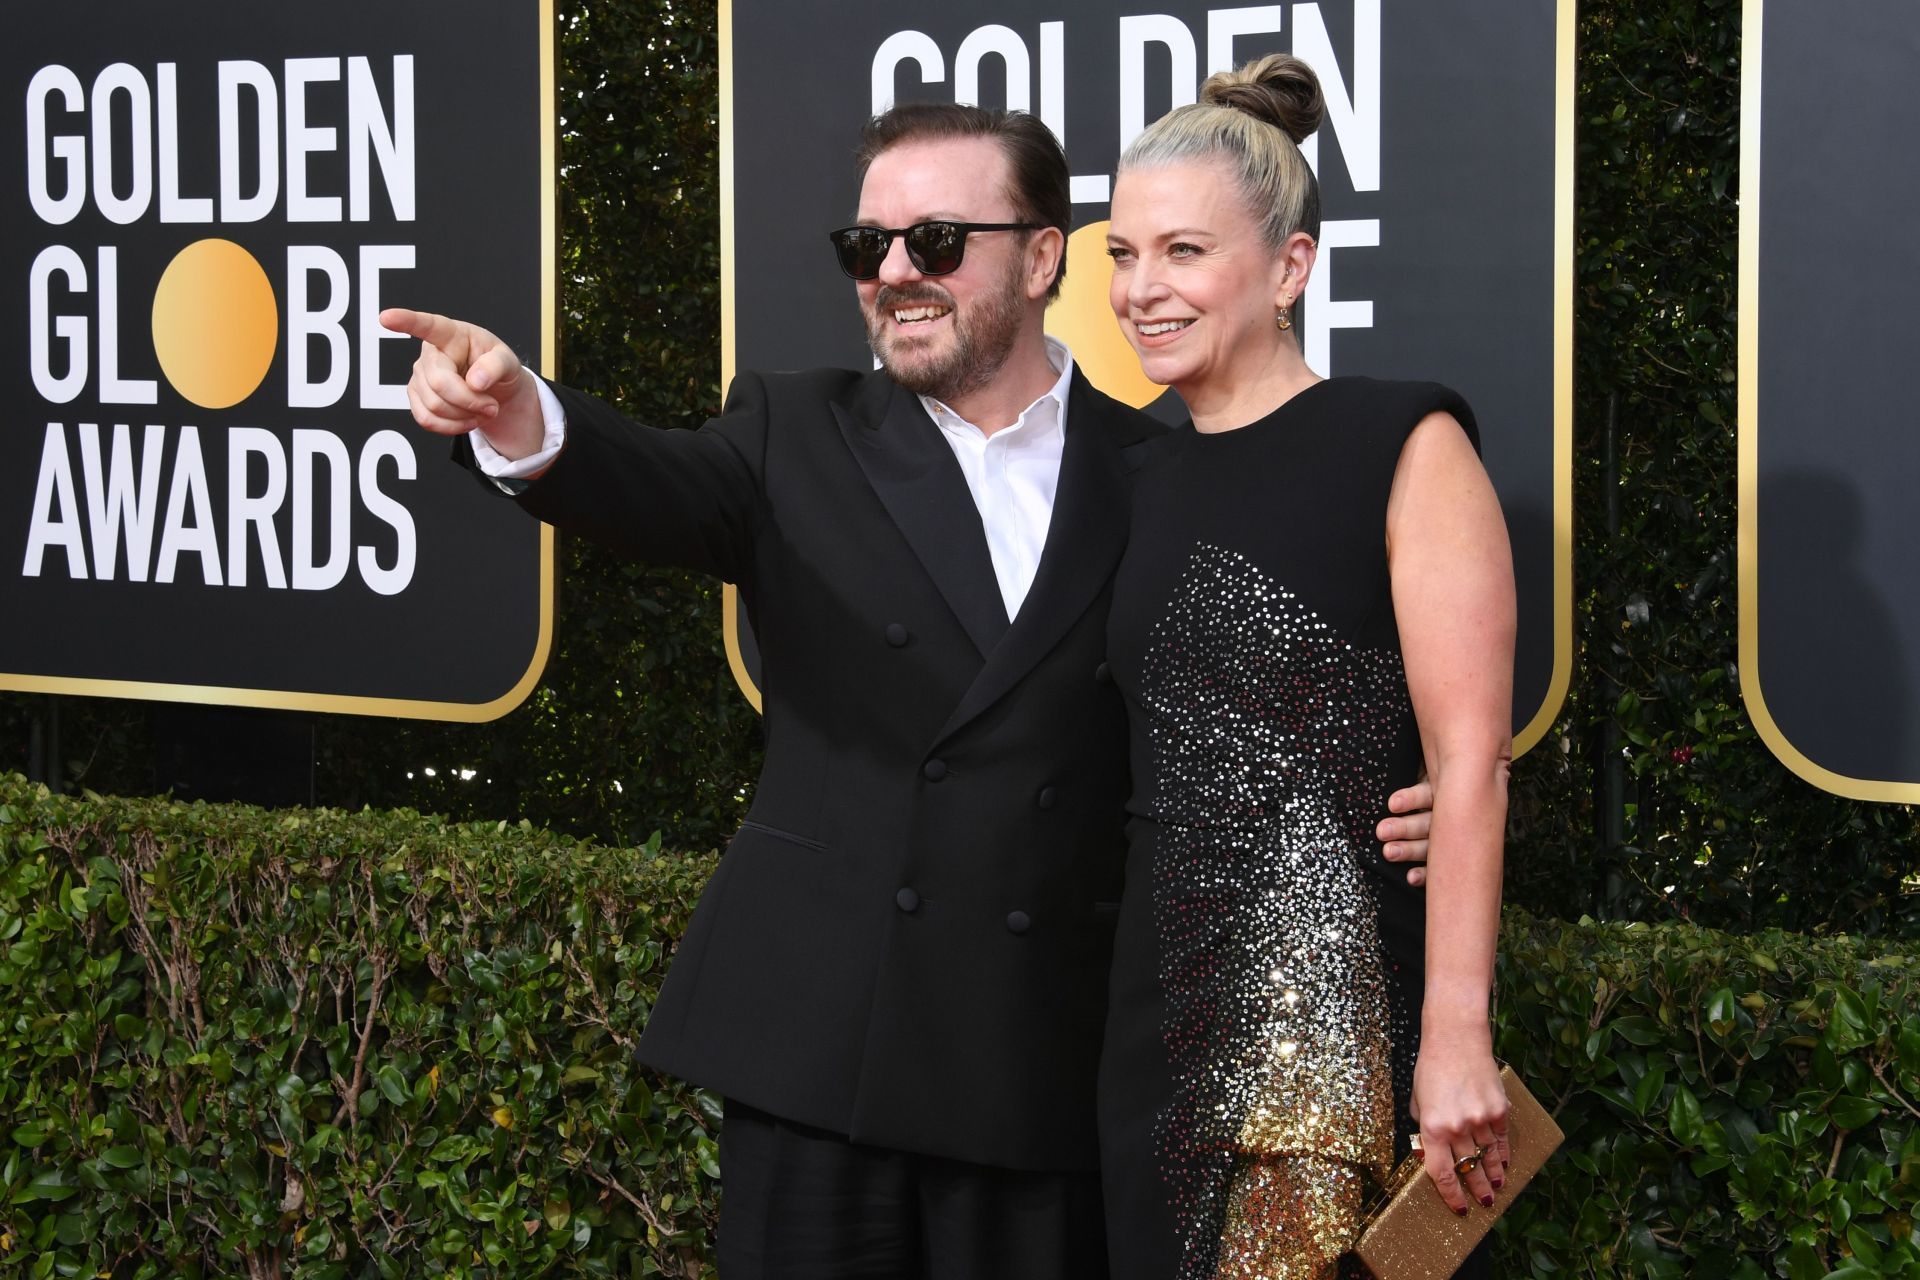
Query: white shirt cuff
{"points": [[555, 419]]}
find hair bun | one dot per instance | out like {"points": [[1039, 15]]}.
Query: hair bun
{"points": [[1279, 89]]}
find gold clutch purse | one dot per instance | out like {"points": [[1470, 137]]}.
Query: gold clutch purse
{"points": [[1411, 1234]]}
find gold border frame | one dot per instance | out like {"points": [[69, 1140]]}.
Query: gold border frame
{"points": [[1748, 429], [1565, 84], [729, 594], [405, 708], [1566, 69]]}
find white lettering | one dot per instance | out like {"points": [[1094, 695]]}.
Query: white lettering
{"points": [[307, 445], [387, 444], [904, 46], [1223, 25], [1053, 78], [1355, 116], [1324, 315], [234, 76], [303, 141], [187, 500], [55, 482], [113, 388], [173, 206], [391, 141], [121, 78], [375, 258], [69, 149], [1004, 43], [305, 324], [1136, 33], [244, 508], [72, 330], [116, 504]]}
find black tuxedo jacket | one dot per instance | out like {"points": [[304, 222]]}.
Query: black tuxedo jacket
{"points": [[908, 940]]}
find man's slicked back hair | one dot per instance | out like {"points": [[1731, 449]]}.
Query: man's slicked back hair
{"points": [[1036, 166]]}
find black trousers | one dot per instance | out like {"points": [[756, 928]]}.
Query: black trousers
{"points": [[799, 1203]]}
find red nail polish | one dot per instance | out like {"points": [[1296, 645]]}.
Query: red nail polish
{"points": [[1462, 1211], [1486, 1201], [1499, 1183]]}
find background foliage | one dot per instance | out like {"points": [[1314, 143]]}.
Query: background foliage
{"points": [[637, 726], [1716, 830], [300, 1042], [309, 1043]]}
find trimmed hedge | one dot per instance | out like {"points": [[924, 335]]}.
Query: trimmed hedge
{"points": [[1734, 1106], [325, 1044], [331, 1044]]}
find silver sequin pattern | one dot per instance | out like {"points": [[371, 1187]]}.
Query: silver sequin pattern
{"points": [[1270, 738]]}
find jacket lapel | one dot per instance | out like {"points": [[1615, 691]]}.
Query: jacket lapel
{"points": [[1085, 536], [915, 475]]}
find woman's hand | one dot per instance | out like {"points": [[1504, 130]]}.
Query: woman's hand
{"points": [[1460, 1107]]}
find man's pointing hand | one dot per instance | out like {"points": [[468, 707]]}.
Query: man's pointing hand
{"points": [[465, 379]]}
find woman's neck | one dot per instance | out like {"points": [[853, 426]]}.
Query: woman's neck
{"points": [[1246, 395]]}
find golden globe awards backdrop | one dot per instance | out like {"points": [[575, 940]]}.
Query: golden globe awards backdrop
{"points": [[214, 491], [1446, 171], [1829, 450]]}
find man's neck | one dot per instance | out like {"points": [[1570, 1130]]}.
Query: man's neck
{"points": [[1025, 377]]}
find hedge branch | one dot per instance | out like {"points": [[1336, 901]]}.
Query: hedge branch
{"points": [[644, 1209], [1892, 1092], [347, 1109]]}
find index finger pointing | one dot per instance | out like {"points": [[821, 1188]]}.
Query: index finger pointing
{"points": [[438, 330]]}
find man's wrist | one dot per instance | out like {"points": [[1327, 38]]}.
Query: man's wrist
{"points": [[500, 466]]}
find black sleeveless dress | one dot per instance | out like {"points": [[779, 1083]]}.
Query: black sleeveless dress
{"points": [[1268, 969]]}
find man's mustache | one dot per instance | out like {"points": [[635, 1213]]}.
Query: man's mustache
{"points": [[890, 297]]}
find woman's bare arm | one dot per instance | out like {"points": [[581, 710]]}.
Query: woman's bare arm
{"points": [[1453, 597]]}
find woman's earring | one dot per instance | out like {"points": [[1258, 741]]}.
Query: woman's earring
{"points": [[1283, 319]]}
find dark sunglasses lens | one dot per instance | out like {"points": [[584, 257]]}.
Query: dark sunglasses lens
{"points": [[861, 250], [936, 247]]}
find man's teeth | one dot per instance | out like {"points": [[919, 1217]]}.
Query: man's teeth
{"points": [[913, 315], [1162, 326]]}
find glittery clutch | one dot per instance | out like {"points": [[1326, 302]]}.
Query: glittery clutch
{"points": [[1411, 1234]]}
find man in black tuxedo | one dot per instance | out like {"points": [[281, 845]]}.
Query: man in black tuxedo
{"points": [[897, 976]]}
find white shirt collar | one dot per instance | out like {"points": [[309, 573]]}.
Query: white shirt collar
{"points": [[1059, 358]]}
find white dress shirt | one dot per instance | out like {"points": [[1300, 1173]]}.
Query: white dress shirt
{"points": [[1012, 474]]}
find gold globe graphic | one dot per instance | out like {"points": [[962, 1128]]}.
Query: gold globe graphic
{"points": [[216, 323], [1082, 318]]}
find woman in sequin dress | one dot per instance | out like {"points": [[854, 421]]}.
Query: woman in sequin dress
{"points": [[1317, 593]]}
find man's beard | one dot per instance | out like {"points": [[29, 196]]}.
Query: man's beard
{"points": [[983, 338]]}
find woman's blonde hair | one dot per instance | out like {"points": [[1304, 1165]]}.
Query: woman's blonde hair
{"points": [[1253, 119]]}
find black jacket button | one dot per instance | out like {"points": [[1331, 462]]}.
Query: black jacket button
{"points": [[896, 635], [935, 770], [1047, 798], [1103, 673], [1018, 922], [907, 900]]}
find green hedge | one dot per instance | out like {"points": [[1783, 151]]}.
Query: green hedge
{"points": [[335, 1044], [325, 1044]]}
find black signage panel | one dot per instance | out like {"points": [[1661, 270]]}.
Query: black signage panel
{"points": [[1446, 172], [1829, 450], [214, 491]]}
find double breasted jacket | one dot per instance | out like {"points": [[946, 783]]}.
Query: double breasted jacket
{"points": [[908, 940]]}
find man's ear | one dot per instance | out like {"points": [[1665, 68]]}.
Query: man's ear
{"points": [[1046, 249]]}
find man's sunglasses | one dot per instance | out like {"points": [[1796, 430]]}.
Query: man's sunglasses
{"points": [[934, 248]]}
